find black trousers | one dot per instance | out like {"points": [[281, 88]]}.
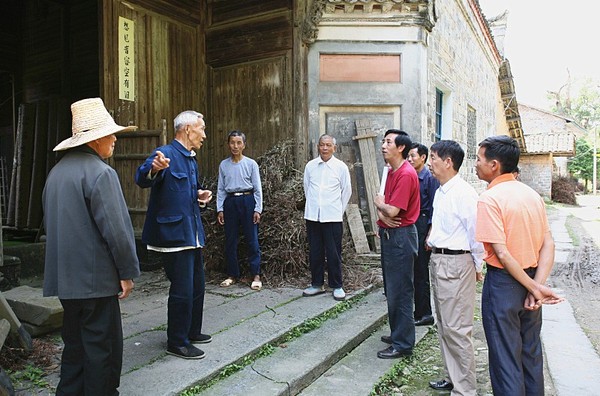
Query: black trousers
{"points": [[325, 248], [421, 275], [93, 354]]}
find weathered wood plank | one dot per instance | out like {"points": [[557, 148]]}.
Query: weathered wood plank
{"points": [[38, 166], [357, 229], [253, 40], [23, 161], [232, 10], [367, 154]]}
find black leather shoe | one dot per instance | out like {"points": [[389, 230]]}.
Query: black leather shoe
{"points": [[201, 339], [386, 339], [391, 353], [186, 352], [441, 385], [426, 320]]}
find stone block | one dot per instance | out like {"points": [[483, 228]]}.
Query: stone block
{"points": [[30, 306], [36, 331]]}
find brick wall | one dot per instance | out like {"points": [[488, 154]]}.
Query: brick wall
{"points": [[464, 67], [536, 172]]}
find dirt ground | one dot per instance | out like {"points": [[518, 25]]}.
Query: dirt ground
{"points": [[580, 279]]}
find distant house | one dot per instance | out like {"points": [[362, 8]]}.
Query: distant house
{"points": [[550, 140]]}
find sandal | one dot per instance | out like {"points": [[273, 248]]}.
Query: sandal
{"points": [[227, 282], [256, 285]]}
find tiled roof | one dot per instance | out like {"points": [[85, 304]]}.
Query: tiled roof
{"points": [[559, 144], [547, 132]]}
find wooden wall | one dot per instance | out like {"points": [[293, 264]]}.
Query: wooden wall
{"points": [[169, 62], [249, 53], [170, 78]]}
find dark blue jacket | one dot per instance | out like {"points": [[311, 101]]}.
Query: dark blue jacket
{"points": [[173, 217]]}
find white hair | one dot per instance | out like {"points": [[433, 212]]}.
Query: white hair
{"points": [[187, 117]]}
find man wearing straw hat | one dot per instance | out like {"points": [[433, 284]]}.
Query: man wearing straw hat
{"points": [[90, 252], [174, 228]]}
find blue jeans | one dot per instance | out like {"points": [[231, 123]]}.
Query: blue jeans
{"points": [[93, 354], [185, 271], [399, 247], [239, 211], [513, 336], [325, 241]]}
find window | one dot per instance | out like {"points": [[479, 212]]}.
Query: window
{"points": [[471, 133], [439, 96]]}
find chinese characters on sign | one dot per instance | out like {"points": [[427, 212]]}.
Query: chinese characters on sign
{"points": [[126, 59]]}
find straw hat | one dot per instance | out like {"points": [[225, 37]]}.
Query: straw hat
{"points": [[91, 121]]}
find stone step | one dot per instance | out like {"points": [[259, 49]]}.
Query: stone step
{"points": [[298, 363], [360, 370], [240, 320], [145, 330]]}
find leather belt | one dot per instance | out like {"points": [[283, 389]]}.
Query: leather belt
{"points": [[449, 251], [240, 193]]}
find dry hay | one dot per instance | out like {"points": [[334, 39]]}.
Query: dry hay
{"points": [[43, 355], [282, 230]]}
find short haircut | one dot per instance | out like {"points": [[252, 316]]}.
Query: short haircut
{"points": [[187, 117], [421, 149], [402, 138], [449, 149], [322, 137], [236, 133], [503, 149]]}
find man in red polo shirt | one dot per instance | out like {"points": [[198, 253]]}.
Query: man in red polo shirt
{"points": [[398, 210]]}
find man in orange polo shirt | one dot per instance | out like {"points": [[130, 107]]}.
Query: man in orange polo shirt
{"points": [[519, 252]]}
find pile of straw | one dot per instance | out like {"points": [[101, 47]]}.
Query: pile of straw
{"points": [[282, 230]]}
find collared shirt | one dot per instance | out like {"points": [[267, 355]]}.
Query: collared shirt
{"points": [[327, 190], [427, 187], [512, 213], [239, 176], [454, 219], [402, 192]]}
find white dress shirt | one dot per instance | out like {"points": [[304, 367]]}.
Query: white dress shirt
{"points": [[454, 218], [327, 190]]}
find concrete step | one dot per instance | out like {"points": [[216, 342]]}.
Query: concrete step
{"points": [[357, 372], [298, 363], [240, 320]]}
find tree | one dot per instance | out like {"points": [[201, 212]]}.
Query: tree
{"points": [[585, 110], [581, 166]]}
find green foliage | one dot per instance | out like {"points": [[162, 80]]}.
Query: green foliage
{"points": [[582, 165], [31, 375], [584, 108], [420, 366]]}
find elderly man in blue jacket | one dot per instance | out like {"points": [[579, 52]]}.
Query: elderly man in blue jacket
{"points": [[174, 228], [90, 252]]}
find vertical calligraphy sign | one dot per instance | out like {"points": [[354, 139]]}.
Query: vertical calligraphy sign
{"points": [[126, 59]]}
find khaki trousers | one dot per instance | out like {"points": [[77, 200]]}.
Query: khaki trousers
{"points": [[453, 285]]}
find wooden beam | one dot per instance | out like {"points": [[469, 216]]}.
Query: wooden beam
{"points": [[368, 159], [357, 229]]}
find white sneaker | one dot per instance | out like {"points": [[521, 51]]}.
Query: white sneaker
{"points": [[339, 294], [313, 291]]}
